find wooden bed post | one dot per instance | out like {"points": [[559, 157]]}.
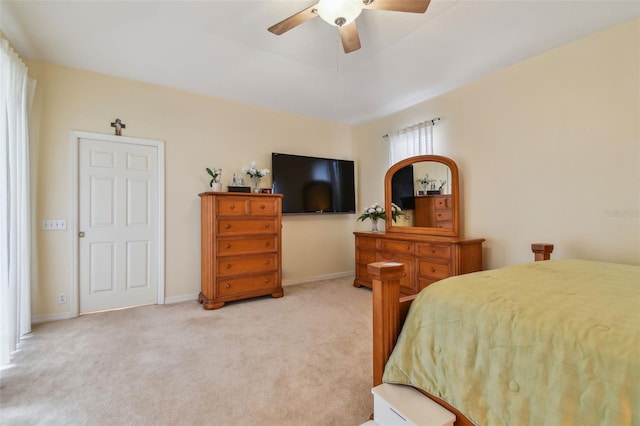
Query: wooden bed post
{"points": [[542, 251], [385, 280]]}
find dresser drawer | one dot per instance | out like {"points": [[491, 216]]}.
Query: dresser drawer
{"points": [[407, 280], [362, 273], [437, 251], [366, 243], [232, 206], [443, 202], [425, 282], [238, 265], [231, 246], [443, 215], [365, 256], [252, 206], [264, 206], [241, 226], [433, 269], [444, 224], [249, 284], [396, 246]]}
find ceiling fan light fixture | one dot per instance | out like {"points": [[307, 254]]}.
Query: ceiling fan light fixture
{"points": [[339, 12]]}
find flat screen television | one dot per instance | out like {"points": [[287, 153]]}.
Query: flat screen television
{"points": [[313, 185]]}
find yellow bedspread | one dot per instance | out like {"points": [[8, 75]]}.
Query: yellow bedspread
{"points": [[547, 343]]}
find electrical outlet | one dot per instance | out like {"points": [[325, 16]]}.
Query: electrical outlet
{"points": [[62, 299]]}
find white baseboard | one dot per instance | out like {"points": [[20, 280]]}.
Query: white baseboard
{"points": [[39, 319], [190, 297], [183, 298], [318, 278]]}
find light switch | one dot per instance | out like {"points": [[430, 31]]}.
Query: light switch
{"points": [[54, 224]]}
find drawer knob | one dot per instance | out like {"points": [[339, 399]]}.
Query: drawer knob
{"points": [[228, 266], [266, 225], [433, 251], [232, 206], [266, 262], [266, 280], [228, 226], [227, 285], [262, 207], [433, 269], [266, 244], [227, 246]]}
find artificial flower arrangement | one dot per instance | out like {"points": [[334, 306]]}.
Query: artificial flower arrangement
{"points": [[253, 171], [215, 174], [429, 183], [426, 180], [373, 212], [395, 212]]}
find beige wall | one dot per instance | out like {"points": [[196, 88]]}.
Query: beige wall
{"points": [[198, 131], [548, 150]]}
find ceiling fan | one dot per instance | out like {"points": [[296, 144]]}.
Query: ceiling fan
{"points": [[343, 14]]}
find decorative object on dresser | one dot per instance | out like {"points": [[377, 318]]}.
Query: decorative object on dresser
{"points": [[216, 175], [244, 189], [432, 248], [255, 174], [241, 247], [374, 213]]}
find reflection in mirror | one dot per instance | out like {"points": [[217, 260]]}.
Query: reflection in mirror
{"points": [[422, 190], [432, 178], [425, 189]]}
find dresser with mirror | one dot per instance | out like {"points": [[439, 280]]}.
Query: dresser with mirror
{"points": [[426, 236]]}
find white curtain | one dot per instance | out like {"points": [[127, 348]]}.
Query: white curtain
{"points": [[15, 218], [414, 140]]}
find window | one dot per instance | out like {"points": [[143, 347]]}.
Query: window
{"points": [[411, 141]]}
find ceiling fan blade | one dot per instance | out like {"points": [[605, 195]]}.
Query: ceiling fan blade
{"points": [[413, 6], [350, 37], [294, 20]]}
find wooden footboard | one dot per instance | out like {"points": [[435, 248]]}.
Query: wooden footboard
{"points": [[390, 311]]}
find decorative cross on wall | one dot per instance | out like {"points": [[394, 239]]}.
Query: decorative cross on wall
{"points": [[119, 125]]}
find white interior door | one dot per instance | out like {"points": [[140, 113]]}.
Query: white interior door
{"points": [[118, 224]]}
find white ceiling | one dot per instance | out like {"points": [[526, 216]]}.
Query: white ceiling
{"points": [[223, 49]]}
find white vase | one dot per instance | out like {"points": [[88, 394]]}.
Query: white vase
{"points": [[374, 225], [255, 181], [216, 187]]}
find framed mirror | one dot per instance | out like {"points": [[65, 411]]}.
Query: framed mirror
{"points": [[426, 190]]}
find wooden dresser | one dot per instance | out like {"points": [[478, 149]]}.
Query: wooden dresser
{"points": [[433, 211], [427, 258], [241, 247]]}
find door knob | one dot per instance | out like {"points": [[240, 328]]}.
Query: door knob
{"points": [[81, 234]]}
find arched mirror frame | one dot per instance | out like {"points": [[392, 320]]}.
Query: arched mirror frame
{"points": [[455, 197]]}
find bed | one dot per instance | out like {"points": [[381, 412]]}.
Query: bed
{"points": [[546, 343]]}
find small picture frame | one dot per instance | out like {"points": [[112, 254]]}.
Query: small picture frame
{"points": [[266, 190], [420, 192]]}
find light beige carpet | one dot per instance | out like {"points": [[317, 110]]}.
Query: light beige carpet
{"points": [[304, 359]]}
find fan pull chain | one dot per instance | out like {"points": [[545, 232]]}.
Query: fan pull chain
{"points": [[338, 45]]}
